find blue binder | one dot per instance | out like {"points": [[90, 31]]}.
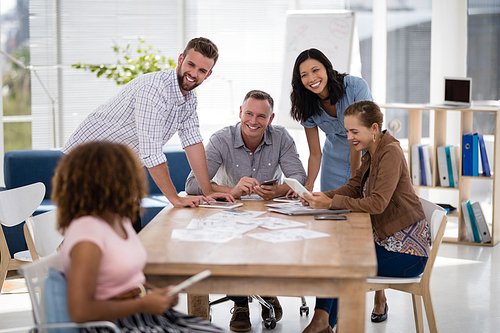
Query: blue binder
{"points": [[422, 165], [467, 154], [473, 223], [475, 155], [450, 167], [484, 156]]}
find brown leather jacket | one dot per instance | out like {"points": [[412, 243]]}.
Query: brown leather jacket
{"points": [[390, 198]]}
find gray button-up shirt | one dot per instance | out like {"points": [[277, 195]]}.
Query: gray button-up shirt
{"points": [[229, 160]]}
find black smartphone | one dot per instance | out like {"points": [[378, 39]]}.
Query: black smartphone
{"points": [[330, 217], [269, 182]]}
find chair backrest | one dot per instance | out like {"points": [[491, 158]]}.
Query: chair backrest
{"points": [[17, 204], [35, 275], [436, 218], [43, 230], [23, 167]]}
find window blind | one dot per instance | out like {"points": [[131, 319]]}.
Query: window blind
{"points": [[249, 34]]}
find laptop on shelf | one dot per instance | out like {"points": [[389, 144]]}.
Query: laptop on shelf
{"points": [[457, 93]]}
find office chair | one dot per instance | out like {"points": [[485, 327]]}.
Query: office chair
{"points": [[270, 322], [16, 205], [41, 234], [54, 298], [419, 286]]}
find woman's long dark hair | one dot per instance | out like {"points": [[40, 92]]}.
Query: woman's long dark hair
{"points": [[305, 102]]}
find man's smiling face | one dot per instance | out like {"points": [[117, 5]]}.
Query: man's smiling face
{"points": [[193, 70], [255, 115]]}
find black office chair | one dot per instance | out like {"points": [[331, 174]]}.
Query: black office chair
{"points": [[270, 322]]}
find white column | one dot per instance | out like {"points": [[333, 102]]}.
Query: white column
{"points": [[379, 51], [448, 58], [448, 54]]}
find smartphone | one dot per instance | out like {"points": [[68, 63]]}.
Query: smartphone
{"points": [[269, 182], [330, 217], [189, 281]]}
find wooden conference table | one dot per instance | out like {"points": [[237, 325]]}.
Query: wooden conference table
{"points": [[331, 266]]}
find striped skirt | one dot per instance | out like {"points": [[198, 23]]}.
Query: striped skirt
{"points": [[171, 321]]}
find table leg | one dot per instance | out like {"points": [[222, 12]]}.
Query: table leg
{"points": [[198, 306], [352, 305]]}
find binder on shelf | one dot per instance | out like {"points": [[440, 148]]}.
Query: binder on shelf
{"points": [[451, 159], [473, 224], [467, 154], [423, 181], [468, 226], [475, 157], [484, 156], [426, 165], [444, 181], [481, 223], [416, 172]]}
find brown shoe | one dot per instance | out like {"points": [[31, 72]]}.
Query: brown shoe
{"points": [[278, 311], [240, 320]]}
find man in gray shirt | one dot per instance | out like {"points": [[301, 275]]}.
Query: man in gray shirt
{"points": [[241, 157]]}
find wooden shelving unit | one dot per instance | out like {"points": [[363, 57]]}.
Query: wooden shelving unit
{"points": [[439, 130]]}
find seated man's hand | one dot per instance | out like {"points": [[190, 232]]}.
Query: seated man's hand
{"points": [[245, 186], [267, 192], [220, 196], [318, 200], [291, 194]]}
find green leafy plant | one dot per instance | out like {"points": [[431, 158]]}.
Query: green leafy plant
{"points": [[146, 60]]}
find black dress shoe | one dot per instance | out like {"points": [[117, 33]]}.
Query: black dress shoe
{"points": [[378, 318]]}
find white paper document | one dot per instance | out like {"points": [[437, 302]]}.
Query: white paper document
{"points": [[288, 235], [274, 223], [235, 215], [220, 225], [211, 236]]}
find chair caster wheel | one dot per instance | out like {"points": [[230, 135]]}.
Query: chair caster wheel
{"points": [[270, 323], [304, 310]]}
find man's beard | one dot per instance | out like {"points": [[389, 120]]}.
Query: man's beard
{"points": [[182, 84]]}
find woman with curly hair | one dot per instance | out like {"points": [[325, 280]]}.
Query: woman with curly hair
{"points": [[319, 97], [97, 188]]}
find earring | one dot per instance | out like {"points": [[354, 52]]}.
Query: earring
{"points": [[373, 137]]}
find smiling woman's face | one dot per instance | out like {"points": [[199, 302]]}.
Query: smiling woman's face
{"points": [[314, 77], [360, 136]]}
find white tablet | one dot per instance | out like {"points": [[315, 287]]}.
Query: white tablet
{"points": [[296, 186], [189, 282]]}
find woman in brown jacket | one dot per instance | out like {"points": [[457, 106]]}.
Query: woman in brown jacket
{"points": [[381, 187]]}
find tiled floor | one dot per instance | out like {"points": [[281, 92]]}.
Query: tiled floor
{"points": [[465, 289]]}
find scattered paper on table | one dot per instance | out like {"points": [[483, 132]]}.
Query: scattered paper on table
{"points": [[288, 235], [224, 225], [197, 235], [274, 223], [235, 215]]}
